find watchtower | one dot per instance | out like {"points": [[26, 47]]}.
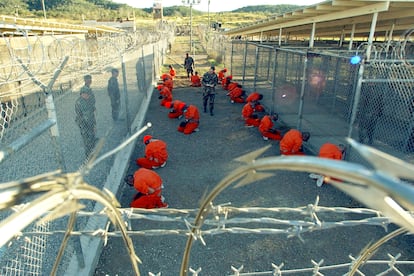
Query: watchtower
{"points": [[157, 9]]}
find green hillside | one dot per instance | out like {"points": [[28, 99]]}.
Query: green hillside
{"points": [[75, 11]]}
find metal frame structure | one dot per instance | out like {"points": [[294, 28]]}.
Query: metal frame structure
{"points": [[338, 20]]}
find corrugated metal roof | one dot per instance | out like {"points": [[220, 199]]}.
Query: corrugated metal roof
{"points": [[336, 18]]}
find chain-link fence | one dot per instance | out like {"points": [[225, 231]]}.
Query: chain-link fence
{"points": [[313, 90], [323, 91], [47, 125]]}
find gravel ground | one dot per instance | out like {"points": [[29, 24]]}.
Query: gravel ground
{"points": [[196, 164]]}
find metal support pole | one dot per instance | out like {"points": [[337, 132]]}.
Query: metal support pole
{"points": [[351, 39], [232, 56], [371, 35], [256, 68], [356, 98], [125, 92], [244, 62], [302, 93], [312, 37], [274, 80]]}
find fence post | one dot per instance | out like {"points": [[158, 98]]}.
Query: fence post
{"points": [[231, 57], [302, 92], [274, 81], [244, 62], [356, 98], [125, 91], [255, 68]]}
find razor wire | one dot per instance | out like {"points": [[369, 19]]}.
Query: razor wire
{"points": [[55, 189], [42, 55], [302, 84], [317, 266], [29, 62]]}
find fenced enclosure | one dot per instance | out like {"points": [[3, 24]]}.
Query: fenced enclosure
{"points": [[297, 83], [305, 85], [40, 82]]}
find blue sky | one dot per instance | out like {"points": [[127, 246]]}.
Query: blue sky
{"points": [[215, 5]]}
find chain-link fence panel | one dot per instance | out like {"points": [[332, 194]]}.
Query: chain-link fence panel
{"points": [[305, 85], [55, 119]]}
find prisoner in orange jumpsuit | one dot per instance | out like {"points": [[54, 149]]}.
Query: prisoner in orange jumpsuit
{"points": [[165, 76], [226, 81], [255, 98], [149, 186], [266, 128], [222, 74], [237, 95], [167, 81], [330, 151], [192, 120], [292, 142], [165, 95], [250, 118], [172, 72], [156, 153], [195, 80], [176, 109], [232, 85]]}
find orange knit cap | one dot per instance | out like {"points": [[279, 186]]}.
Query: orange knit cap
{"points": [[146, 139]]}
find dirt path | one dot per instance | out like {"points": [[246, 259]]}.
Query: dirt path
{"points": [[180, 47]]}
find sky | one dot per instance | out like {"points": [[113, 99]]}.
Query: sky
{"points": [[215, 5]]}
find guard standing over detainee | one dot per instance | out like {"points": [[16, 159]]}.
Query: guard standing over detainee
{"points": [[210, 80], [113, 92], [85, 116]]}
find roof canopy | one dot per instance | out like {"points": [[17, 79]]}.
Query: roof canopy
{"points": [[336, 19]]}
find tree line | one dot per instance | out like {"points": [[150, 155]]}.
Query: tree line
{"points": [[106, 10]]}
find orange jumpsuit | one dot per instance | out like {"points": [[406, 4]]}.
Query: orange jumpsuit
{"points": [[169, 83], [172, 73], [232, 85], [225, 82], [176, 109], [266, 129], [195, 81], [221, 74], [192, 120], [291, 143], [237, 95], [149, 186], [166, 94], [165, 76], [156, 154], [330, 151], [248, 115], [255, 98]]}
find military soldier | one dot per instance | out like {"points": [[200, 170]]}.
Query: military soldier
{"points": [[113, 92], [85, 115], [209, 82]]}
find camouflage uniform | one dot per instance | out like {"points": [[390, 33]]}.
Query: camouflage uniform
{"points": [[113, 92], [85, 118], [210, 80]]}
